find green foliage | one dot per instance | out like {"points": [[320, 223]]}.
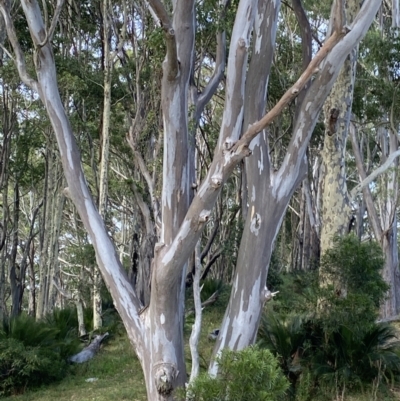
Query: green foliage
{"points": [[346, 358], [247, 375], [353, 283], [33, 352], [26, 366], [326, 337], [209, 287], [284, 337]]}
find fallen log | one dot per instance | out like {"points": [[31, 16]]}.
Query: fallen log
{"points": [[90, 351]]}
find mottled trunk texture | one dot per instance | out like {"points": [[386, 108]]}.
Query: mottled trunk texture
{"points": [[336, 211]]}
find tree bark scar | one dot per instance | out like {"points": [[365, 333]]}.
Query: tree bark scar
{"points": [[165, 375], [333, 119]]}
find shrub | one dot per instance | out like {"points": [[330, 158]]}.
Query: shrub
{"points": [[252, 374], [330, 342], [33, 352], [25, 366]]}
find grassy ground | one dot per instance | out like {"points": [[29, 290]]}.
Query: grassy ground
{"points": [[117, 370], [119, 375]]}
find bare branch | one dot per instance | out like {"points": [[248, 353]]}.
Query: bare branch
{"points": [[290, 94], [210, 263], [196, 327], [305, 31], [375, 222], [218, 73], [19, 55], [65, 293], [381, 169], [306, 44], [50, 32], [145, 172], [172, 55], [159, 10]]}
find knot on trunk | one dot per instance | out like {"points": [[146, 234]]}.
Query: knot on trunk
{"points": [[333, 119], [165, 375]]}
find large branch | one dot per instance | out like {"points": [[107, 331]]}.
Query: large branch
{"points": [[125, 298]]}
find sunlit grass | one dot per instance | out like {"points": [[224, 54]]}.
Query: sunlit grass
{"points": [[119, 374], [116, 368]]}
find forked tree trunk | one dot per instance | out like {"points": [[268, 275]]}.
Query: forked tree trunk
{"points": [[241, 319], [157, 332]]}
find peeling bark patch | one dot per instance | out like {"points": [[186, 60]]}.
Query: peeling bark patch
{"points": [[162, 318], [164, 378], [160, 341], [249, 308], [261, 162], [255, 142], [259, 36]]}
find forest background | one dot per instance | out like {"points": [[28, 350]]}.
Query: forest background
{"points": [[165, 101]]}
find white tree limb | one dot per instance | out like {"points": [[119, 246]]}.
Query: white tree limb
{"points": [[380, 170]]}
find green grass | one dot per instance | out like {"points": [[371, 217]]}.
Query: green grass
{"points": [[118, 370], [120, 375]]}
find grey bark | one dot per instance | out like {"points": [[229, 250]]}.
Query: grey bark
{"points": [[157, 331], [90, 351], [248, 296]]}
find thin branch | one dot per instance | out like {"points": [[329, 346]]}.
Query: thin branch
{"points": [[376, 226], [210, 263], [19, 55], [306, 42], [219, 69], [381, 169], [63, 292], [172, 54], [56, 16], [290, 94], [7, 52], [211, 239], [145, 172]]}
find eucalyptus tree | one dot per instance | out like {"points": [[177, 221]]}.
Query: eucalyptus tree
{"points": [[336, 210], [155, 330]]}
